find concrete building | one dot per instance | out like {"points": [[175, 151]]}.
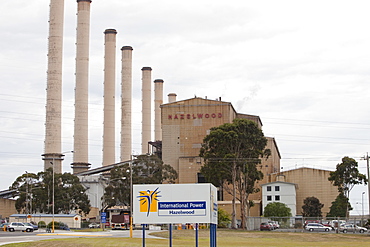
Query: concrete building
{"points": [[280, 192], [95, 185], [72, 220], [184, 125], [7, 208], [311, 182]]}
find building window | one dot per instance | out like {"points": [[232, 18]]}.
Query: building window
{"points": [[277, 198], [268, 188], [269, 198], [277, 188], [201, 178]]}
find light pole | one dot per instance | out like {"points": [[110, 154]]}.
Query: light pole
{"points": [[52, 196], [362, 200], [368, 177], [131, 201]]}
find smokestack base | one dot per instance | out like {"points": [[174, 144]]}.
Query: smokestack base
{"points": [[80, 167], [53, 160]]}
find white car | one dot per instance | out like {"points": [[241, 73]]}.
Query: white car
{"points": [[317, 227], [352, 228], [94, 225], [18, 226]]}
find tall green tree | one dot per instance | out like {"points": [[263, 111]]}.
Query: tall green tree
{"points": [[35, 193], [346, 176], [312, 207], [146, 169], [231, 155], [340, 207]]}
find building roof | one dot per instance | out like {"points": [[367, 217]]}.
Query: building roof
{"points": [[276, 182], [199, 102]]}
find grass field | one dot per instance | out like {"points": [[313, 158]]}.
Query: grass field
{"points": [[224, 238]]}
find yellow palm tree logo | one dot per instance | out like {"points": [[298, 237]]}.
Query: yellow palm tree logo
{"points": [[149, 201]]}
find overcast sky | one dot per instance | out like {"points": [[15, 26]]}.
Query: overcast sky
{"points": [[302, 66]]}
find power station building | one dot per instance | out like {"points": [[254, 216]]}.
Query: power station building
{"points": [[184, 125]]}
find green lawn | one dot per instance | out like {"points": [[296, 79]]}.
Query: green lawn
{"points": [[224, 238]]}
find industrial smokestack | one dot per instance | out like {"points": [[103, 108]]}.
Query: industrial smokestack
{"points": [[172, 97], [158, 101], [53, 124], [146, 108], [109, 97], [80, 157], [126, 108]]}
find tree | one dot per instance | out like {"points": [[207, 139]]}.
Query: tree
{"points": [[312, 207], [340, 207], [24, 186], [277, 209], [223, 218], [35, 193], [231, 154], [146, 169], [346, 176]]}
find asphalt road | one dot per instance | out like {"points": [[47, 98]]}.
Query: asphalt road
{"points": [[18, 237]]}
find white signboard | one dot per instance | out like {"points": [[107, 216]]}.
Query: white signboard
{"points": [[174, 203]]}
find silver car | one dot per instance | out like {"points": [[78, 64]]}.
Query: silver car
{"points": [[317, 227], [352, 228], [18, 226]]}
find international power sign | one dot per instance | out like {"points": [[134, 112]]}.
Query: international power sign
{"points": [[174, 203]]}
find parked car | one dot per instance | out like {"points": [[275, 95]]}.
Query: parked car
{"points": [[311, 221], [352, 228], [3, 226], [317, 227], [18, 226], [265, 226], [94, 225], [35, 227], [63, 226], [275, 224]]}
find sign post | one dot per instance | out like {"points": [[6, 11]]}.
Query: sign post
{"points": [[176, 204], [103, 219]]}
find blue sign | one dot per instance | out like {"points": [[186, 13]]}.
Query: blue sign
{"points": [[103, 217]]}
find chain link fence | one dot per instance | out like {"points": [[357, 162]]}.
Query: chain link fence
{"points": [[298, 223]]}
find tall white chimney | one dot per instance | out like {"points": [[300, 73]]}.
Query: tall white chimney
{"points": [[53, 124], [126, 107], [146, 108], [158, 101], [109, 97], [80, 157], [172, 97]]}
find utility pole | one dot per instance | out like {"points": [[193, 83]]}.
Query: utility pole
{"points": [[368, 182]]}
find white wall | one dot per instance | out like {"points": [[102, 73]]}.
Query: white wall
{"points": [[287, 194]]}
